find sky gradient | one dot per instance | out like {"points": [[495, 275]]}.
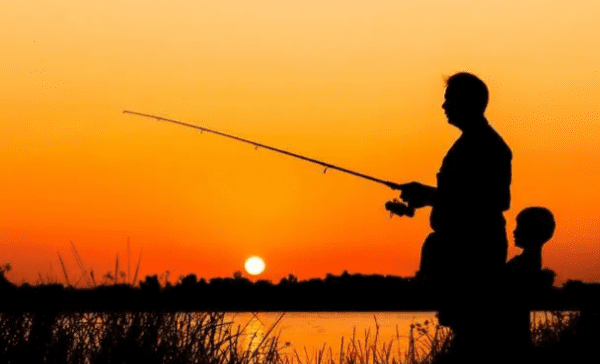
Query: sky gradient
{"points": [[355, 83]]}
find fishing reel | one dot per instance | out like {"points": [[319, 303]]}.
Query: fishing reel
{"points": [[396, 207]]}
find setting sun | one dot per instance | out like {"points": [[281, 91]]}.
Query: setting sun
{"points": [[254, 265]]}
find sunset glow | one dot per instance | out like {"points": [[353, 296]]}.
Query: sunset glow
{"points": [[356, 83]]}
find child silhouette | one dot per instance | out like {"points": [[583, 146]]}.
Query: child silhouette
{"points": [[535, 227], [526, 278]]}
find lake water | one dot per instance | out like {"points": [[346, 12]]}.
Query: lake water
{"points": [[303, 335], [308, 332]]}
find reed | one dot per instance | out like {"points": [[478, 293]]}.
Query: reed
{"points": [[208, 337], [139, 337], [158, 337], [87, 275], [426, 341], [62, 264], [154, 337]]}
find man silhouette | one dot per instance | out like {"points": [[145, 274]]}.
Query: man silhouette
{"points": [[464, 256]]}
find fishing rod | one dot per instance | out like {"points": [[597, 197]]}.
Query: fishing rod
{"points": [[395, 207]]}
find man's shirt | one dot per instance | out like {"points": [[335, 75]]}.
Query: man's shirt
{"points": [[473, 183]]}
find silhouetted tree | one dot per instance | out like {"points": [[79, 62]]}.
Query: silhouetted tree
{"points": [[150, 284]]}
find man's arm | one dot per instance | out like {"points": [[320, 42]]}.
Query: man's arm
{"points": [[418, 195]]}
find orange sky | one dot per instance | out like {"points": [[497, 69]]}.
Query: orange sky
{"points": [[355, 83]]}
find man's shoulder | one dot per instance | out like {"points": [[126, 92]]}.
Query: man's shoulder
{"points": [[485, 141], [490, 138], [483, 144]]}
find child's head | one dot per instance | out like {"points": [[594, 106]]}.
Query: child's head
{"points": [[535, 226]]}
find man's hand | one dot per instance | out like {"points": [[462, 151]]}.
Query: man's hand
{"points": [[417, 195]]}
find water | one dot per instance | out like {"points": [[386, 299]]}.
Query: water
{"points": [[306, 333], [301, 335]]}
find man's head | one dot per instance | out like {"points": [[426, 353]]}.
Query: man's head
{"points": [[535, 226], [466, 98]]}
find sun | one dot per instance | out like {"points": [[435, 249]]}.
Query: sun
{"points": [[254, 265]]}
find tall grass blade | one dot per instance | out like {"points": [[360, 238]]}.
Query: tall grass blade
{"points": [[117, 269], [93, 279], [137, 268], [80, 263], [268, 333], [62, 264], [128, 262]]}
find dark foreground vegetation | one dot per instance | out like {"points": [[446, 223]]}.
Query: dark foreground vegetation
{"points": [[159, 322], [347, 292], [158, 337]]}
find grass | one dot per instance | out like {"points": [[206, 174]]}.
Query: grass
{"points": [[139, 337], [564, 337], [426, 341], [151, 337], [207, 337], [86, 276]]}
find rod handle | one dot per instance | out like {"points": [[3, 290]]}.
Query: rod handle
{"points": [[395, 186], [398, 208]]}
